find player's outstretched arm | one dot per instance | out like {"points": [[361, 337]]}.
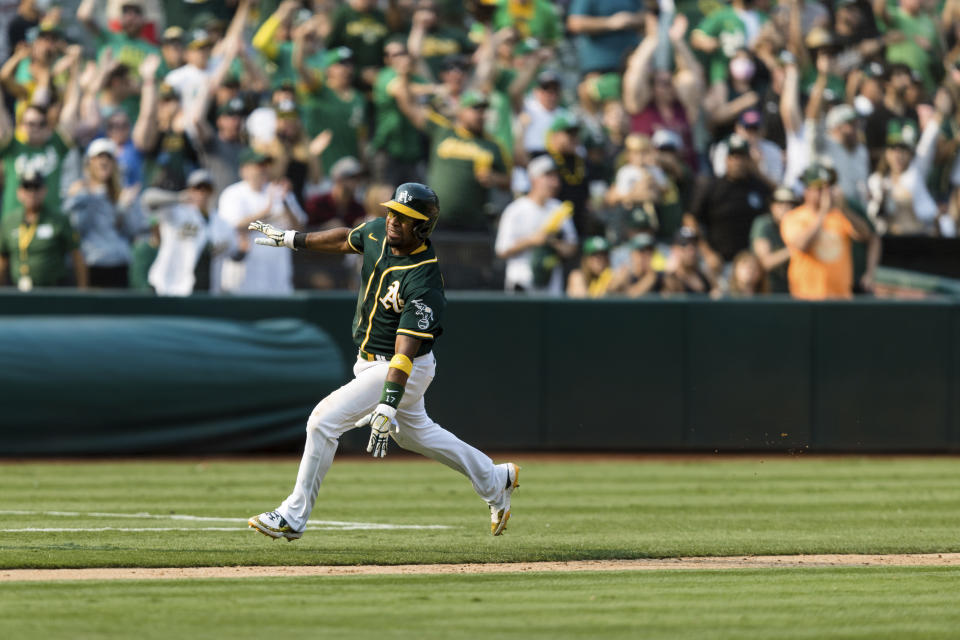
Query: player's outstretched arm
{"points": [[382, 421], [330, 241]]}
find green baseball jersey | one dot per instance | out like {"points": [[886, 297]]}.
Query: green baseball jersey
{"points": [[398, 294], [126, 50], [394, 133], [51, 240], [442, 42], [345, 116], [48, 158], [364, 32], [457, 157], [539, 19]]}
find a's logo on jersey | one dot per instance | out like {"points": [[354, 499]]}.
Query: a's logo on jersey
{"points": [[392, 298], [424, 313]]}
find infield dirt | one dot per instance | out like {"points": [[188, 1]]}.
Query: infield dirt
{"points": [[657, 564]]}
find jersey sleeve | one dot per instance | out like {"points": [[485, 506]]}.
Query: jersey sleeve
{"points": [[355, 238], [422, 314]]}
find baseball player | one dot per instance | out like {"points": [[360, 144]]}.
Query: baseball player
{"points": [[398, 318]]}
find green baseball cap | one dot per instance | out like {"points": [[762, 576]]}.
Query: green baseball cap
{"points": [[252, 156], [595, 244], [606, 87], [901, 134], [817, 174], [564, 122], [526, 46], [642, 242], [470, 99], [340, 55]]}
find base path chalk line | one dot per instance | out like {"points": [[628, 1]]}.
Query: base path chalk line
{"points": [[315, 524], [656, 564]]}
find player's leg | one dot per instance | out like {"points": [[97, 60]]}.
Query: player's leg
{"points": [[331, 418], [422, 435], [419, 433]]}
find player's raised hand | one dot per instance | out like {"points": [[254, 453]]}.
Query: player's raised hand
{"points": [[275, 237], [382, 423]]}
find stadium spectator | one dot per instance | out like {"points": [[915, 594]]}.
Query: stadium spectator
{"points": [[434, 41], [103, 214], [594, 277], [654, 97], [129, 159], [220, 146], [172, 49], [819, 234], [767, 243], [639, 181], [540, 110], [724, 207], [161, 132], [892, 108], [339, 206], [538, 19], [38, 145], [255, 269], [604, 30], [464, 163], [766, 156], [678, 185], [748, 278], [362, 28], [638, 277], [36, 240], [684, 274], [193, 238], [576, 174], [900, 202], [332, 104], [536, 233], [399, 151], [126, 45]]}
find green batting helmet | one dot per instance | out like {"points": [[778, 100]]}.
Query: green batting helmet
{"points": [[417, 201]]}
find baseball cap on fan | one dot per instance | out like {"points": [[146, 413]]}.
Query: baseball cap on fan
{"points": [[539, 166], [199, 178], [667, 140], [101, 146], [31, 177], [346, 167]]}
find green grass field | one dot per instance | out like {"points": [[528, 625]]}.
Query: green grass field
{"points": [[85, 515]]}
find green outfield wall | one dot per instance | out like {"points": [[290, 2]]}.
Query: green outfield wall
{"points": [[678, 374]]}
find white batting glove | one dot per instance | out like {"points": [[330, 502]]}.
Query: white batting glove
{"points": [[382, 423], [275, 237]]}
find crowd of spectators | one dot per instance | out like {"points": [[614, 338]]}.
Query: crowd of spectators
{"points": [[598, 147]]}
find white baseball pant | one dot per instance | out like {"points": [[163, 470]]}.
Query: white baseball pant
{"points": [[337, 413]]}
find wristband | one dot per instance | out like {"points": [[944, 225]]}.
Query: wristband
{"points": [[299, 240], [392, 392], [401, 362]]}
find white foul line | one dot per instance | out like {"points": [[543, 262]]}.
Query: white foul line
{"points": [[316, 524]]}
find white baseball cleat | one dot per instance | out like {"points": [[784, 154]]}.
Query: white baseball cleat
{"points": [[500, 508], [274, 525]]}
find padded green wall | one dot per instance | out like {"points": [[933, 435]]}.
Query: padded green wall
{"points": [[728, 375]]}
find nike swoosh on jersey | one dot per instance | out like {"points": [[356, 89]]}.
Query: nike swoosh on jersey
{"points": [[370, 235]]}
